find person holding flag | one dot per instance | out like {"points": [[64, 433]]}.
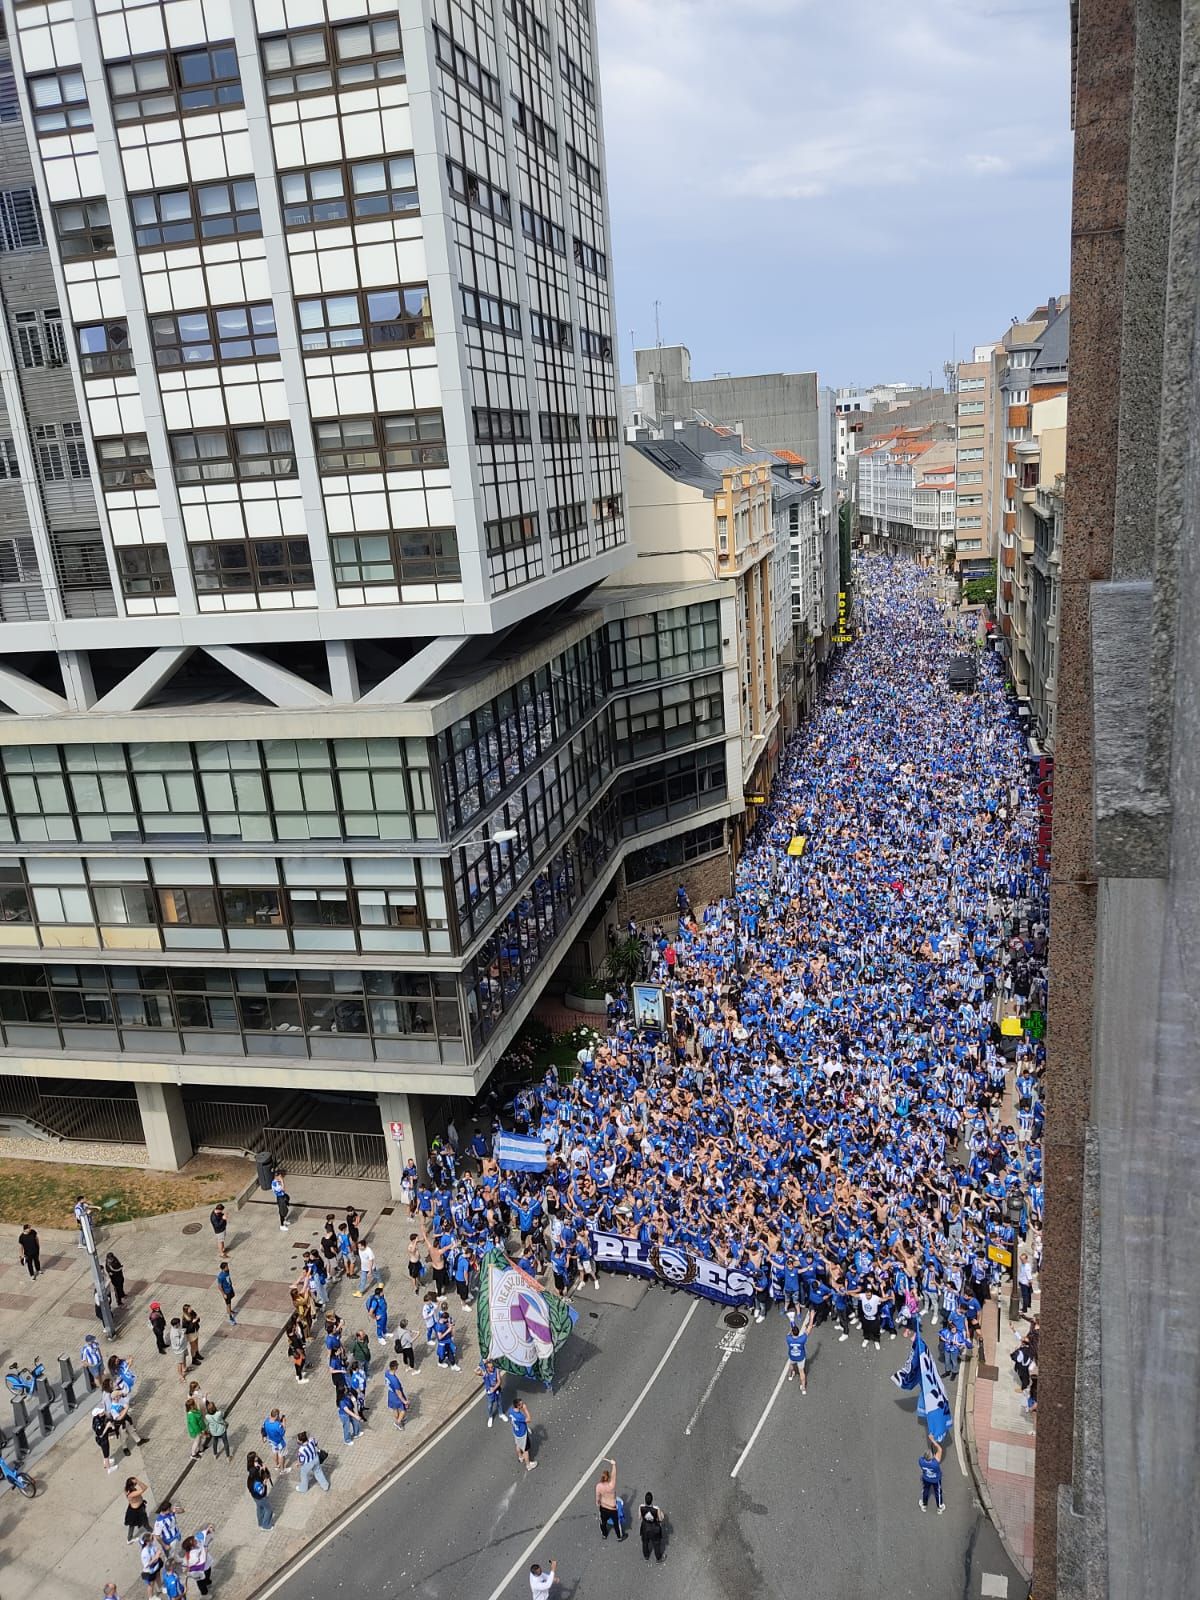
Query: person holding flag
{"points": [[931, 1477], [797, 1349]]}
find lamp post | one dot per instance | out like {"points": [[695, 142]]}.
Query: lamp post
{"points": [[89, 1241]]}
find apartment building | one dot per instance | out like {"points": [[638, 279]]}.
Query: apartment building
{"points": [[890, 474], [1029, 589], [978, 455], [314, 756]]}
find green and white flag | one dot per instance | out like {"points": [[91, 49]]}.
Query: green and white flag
{"points": [[521, 1325]]}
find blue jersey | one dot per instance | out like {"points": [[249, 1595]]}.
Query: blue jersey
{"points": [[797, 1346], [931, 1469], [520, 1425]]}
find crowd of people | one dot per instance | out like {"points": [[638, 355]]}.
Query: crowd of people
{"points": [[826, 1110]]}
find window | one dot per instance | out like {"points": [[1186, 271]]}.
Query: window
{"points": [[461, 64], [20, 219], [219, 455], [225, 333], [376, 444], [125, 462], [145, 569], [238, 565], [426, 555], [382, 188], [172, 85], [478, 192], [9, 467], [974, 454], [104, 347], [577, 77], [970, 499], [965, 384], [603, 428], [970, 408], [974, 432], [315, 60], [489, 311], [597, 345], [210, 211], [500, 427], [558, 427], [589, 258], [83, 229], [82, 573], [550, 330], [674, 852], [14, 896], [59, 101], [969, 544], [40, 338], [535, 128], [379, 317], [527, 22], [10, 106], [584, 170], [59, 451], [535, 226], [1031, 471], [970, 522], [510, 533]]}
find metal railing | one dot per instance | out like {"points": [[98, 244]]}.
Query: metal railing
{"points": [[95, 1117], [325, 1154], [227, 1124]]}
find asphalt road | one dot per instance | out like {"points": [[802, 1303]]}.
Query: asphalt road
{"points": [[825, 1501]]}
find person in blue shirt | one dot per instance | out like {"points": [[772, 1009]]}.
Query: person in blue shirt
{"points": [[493, 1389], [347, 1410], [518, 1421], [376, 1306], [274, 1432], [443, 1333], [282, 1199], [931, 1477], [797, 1350], [397, 1400]]}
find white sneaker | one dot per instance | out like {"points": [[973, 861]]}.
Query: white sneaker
{"points": [[490, 1421], [455, 1367], [842, 1337], [940, 1510], [922, 1505], [865, 1342]]}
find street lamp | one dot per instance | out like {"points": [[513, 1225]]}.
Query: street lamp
{"points": [[1016, 1205], [102, 1300]]}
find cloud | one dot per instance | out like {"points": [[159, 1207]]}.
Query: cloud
{"points": [[801, 123]]}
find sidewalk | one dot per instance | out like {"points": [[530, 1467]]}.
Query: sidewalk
{"points": [[1001, 1437], [70, 1540]]}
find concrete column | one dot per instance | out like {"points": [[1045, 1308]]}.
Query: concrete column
{"points": [[164, 1123], [407, 1110]]}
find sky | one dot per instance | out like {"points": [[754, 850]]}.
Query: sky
{"points": [[857, 186]]}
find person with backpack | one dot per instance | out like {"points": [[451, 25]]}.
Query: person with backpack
{"points": [[650, 1525], [258, 1484]]}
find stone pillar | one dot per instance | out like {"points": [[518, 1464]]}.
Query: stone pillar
{"points": [[164, 1123], [405, 1109]]}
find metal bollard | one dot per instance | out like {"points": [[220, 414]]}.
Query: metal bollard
{"points": [[66, 1373], [20, 1413], [45, 1404]]}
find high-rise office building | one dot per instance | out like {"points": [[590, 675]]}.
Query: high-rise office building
{"points": [[310, 760]]}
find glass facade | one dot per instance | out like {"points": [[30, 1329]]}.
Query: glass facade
{"points": [[665, 644], [677, 851], [339, 1014]]}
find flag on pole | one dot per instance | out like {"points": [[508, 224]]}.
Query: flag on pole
{"points": [[521, 1325], [520, 1154], [921, 1373]]}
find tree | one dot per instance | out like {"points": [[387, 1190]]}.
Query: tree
{"points": [[623, 963]]}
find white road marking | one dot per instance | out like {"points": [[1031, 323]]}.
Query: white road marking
{"points": [[959, 1408], [712, 1383], [289, 1572], [539, 1538], [760, 1423]]}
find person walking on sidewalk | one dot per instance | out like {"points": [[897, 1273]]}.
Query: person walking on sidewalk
{"points": [[518, 1421], [225, 1285], [308, 1458], [197, 1432], [443, 1329], [158, 1326], [404, 1346], [606, 1500], [493, 1389], [377, 1307], [102, 1431], [116, 1276], [650, 1525], [931, 1477], [415, 1265], [397, 1400], [30, 1248], [366, 1268], [347, 1410], [258, 1484], [150, 1553], [217, 1429], [360, 1351], [190, 1318], [179, 1347], [166, 1527], [219, 1223], [92, 1357], [274, 1432], [797, 1349], [197, 1558], [283, 1200], [1025, 1282], [137, 1516]]}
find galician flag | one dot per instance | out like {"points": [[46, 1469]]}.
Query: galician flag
{"points": [[521, 1325]]}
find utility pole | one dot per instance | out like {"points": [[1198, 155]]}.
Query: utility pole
{"points": [[89, 1243], [657, 329]]}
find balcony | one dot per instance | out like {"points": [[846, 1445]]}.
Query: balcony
{"points": [[1008, 555], [23, 602], [1018, 416], [1010, 522]]}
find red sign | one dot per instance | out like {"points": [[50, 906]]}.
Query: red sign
{"points": [[396, 1129]]}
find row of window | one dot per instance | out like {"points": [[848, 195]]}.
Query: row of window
{"points": [[268, 1011], [678, 851], [668, 716], [224, 790]]}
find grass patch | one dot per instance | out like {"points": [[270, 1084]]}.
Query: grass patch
{"points": [[43, 1192]]}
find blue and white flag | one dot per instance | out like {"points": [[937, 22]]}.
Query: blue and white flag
{"points": [[910, 1376], [519, 1154], [933, 1405]]}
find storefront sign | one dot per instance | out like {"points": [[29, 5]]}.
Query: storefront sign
{"points": [[675, 1265], [843, 633]]}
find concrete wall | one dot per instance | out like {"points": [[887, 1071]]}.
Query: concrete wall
{"points": [[671, 528]]}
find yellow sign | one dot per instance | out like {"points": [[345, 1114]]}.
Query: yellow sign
{"points": [[1000, 1255], [1011, 1027], [756, 799], [796, 845]]}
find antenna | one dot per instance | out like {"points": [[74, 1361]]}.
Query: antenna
{"points": [[657, 329]]}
